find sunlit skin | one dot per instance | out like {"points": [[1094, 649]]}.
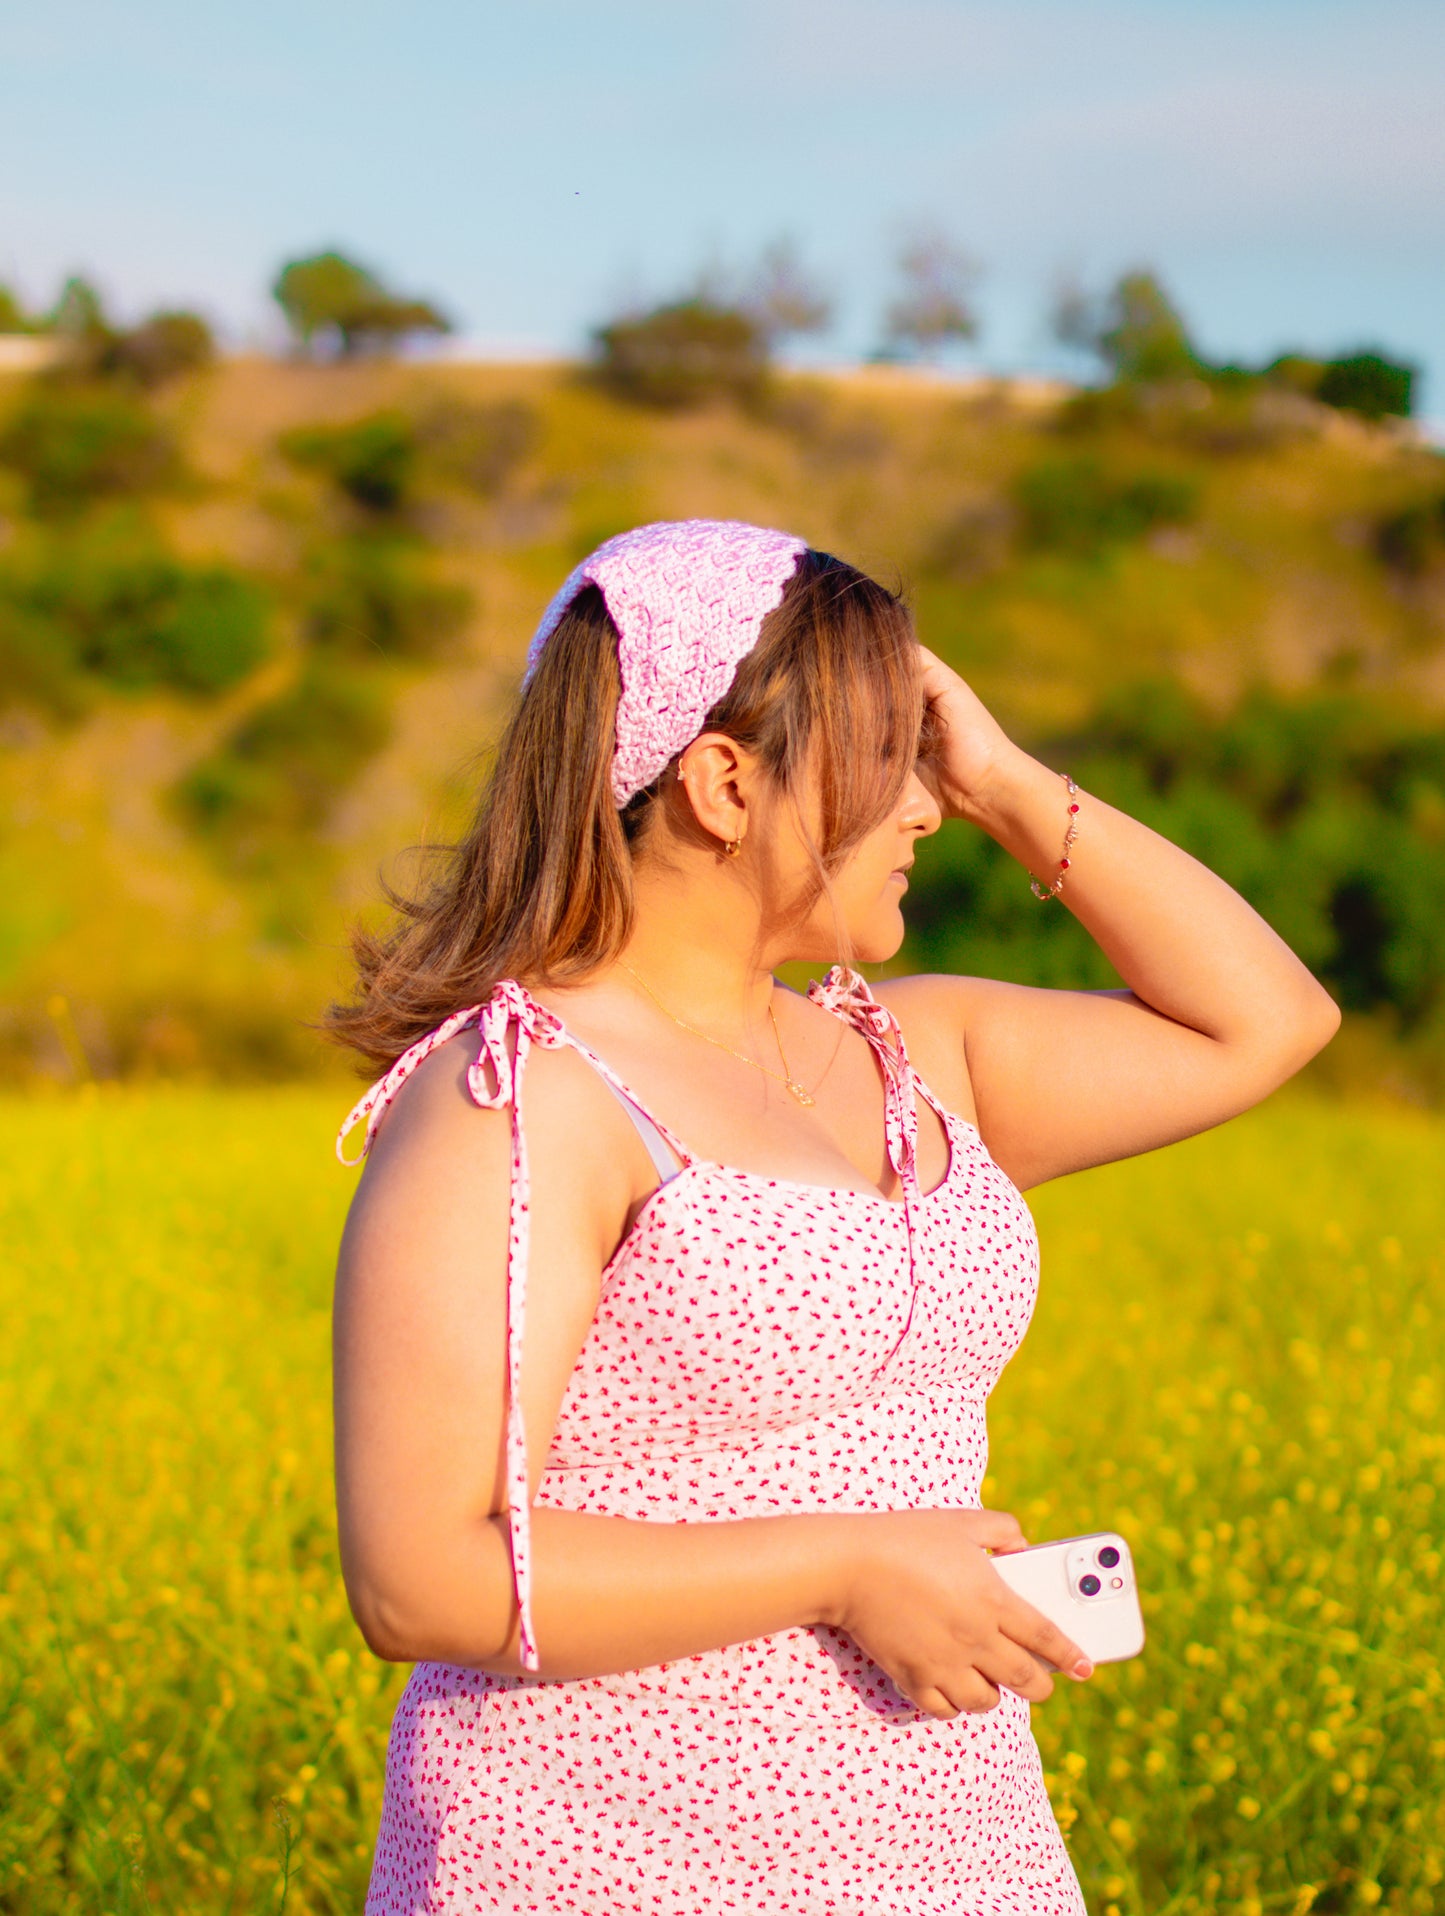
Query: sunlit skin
{"points": [[1217, 1012]]}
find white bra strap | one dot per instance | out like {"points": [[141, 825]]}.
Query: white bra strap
{"points": [[665, 1160]]}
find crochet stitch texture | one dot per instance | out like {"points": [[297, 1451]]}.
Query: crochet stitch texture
{"points": [[688, 598]]}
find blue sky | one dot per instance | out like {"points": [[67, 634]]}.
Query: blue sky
{"points": [[534, 165]]}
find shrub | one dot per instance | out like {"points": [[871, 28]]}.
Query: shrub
{"points": [[36, 666], [1296, 372], [75, 444], [374, 596], [974, 543], [1412, 540], [1223, 412], [1365, 382], [478, 447], [162, 348], [1326, 812], [372, 461], [1078, 507], [1369, 384], [282, 769], [684, 355], [377, 462], [114, 607], [199, 629]]}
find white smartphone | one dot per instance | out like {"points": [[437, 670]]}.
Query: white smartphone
{"points": [[1086, 1586]]}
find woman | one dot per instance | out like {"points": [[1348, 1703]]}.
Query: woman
{"points": [[660, 1385]]}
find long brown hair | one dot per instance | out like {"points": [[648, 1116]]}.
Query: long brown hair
{"points": [[540, 887]]}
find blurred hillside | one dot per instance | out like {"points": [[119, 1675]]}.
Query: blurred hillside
{"points": [[257, 626]]}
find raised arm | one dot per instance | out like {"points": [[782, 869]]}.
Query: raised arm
{"points": [[1218, 1010], [420, 1419]]}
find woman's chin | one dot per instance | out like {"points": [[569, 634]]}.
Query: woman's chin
{"points": [[871, 943], [879, 941]]}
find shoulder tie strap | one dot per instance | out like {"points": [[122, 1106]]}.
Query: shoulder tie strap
{"points": [[508, 1025], [847, 996]]}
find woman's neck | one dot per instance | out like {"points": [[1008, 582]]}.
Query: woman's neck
{"points": [[697, 943]]}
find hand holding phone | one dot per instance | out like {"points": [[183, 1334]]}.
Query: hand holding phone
{"points": [[1086, 1586], [917, 1591]]}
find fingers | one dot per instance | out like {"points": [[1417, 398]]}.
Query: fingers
{"points": [[978, 1690], [936, 675], [1015, 1669], [972, 1695], [933, 1702], [1035, 1632]]}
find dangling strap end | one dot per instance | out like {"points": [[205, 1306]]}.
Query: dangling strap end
{"points": [[377, 1101], [521, 1521], [367, 1109]]}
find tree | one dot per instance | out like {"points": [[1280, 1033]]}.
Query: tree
{"points": [[934, 307], [78, 316], [1074, 315], [1144, 337], [1134, 328], [330, 301], [784, 300], [13, 316], [161, 348]]}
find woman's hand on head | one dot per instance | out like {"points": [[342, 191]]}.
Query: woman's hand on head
{"points": [[918, 1594], [968, 743]]}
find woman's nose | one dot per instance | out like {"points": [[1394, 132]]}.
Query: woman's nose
{"points": [[921, 812]]}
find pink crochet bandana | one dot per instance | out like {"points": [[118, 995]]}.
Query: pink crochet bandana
{"points": [[688, 598]]}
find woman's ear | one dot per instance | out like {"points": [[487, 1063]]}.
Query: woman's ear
{"points": [[717, 774]]}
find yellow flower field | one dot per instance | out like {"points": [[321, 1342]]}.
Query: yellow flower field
{"points": [[1237, 1360]]}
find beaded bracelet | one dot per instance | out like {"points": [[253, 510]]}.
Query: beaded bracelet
{"points": [[1069, 836]]}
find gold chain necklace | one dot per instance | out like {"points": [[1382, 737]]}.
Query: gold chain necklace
{"points": [[783, 1077]]}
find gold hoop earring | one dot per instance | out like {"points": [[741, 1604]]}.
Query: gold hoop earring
{"points": [[731, 847]]}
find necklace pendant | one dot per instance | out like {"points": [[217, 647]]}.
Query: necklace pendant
{"points": [[801, 1092]]}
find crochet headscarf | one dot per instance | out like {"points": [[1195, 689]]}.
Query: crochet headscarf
{"points": [[688, 598]]}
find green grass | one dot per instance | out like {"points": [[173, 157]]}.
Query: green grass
{"points": [[1236, 1360]]}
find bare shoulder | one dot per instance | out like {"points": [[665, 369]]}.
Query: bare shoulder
{"points": [[437, 1147], [935, 1014], [433, 1128]]}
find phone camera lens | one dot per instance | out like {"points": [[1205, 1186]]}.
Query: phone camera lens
{"points": [[1108, 1556], [1090, 1585]]}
